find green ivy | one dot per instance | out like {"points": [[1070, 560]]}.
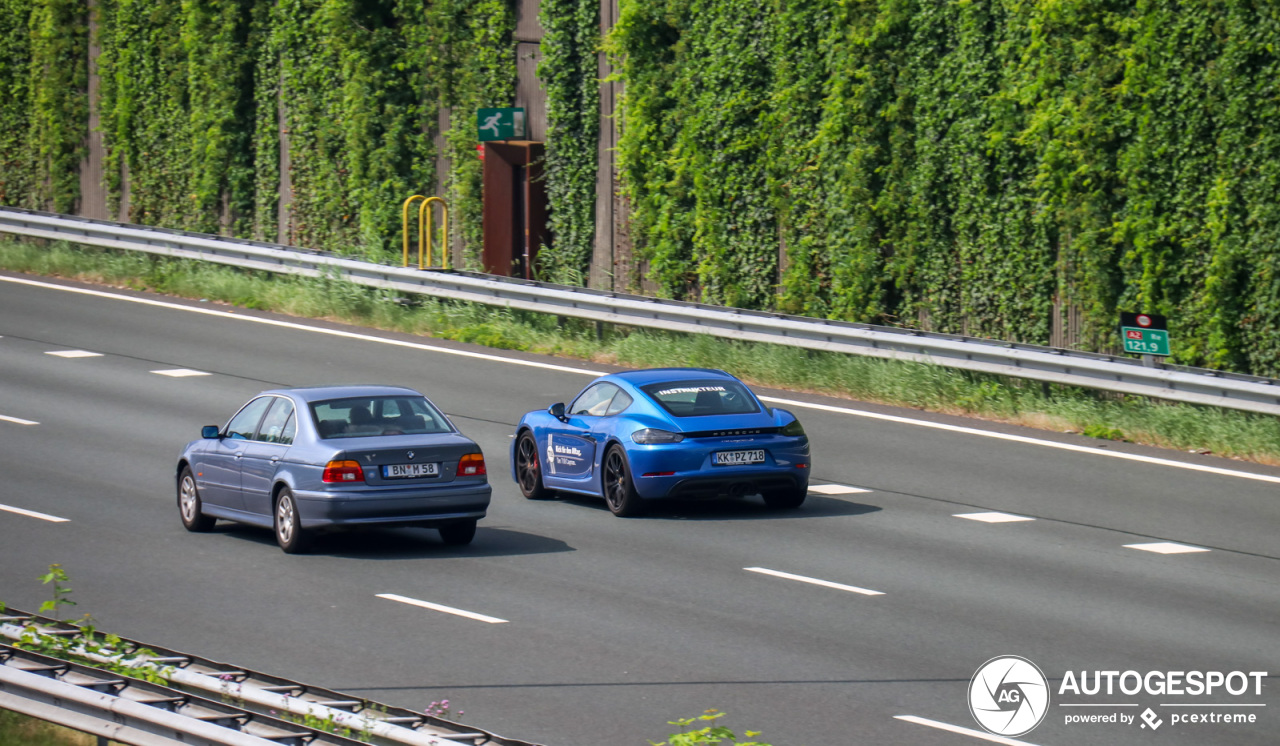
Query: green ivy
{"points": [[569, 76]]}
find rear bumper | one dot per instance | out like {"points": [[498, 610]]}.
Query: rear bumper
{"points": [[393, 507]]}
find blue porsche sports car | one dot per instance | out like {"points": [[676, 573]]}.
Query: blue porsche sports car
{"points": [[670, 432], [306, 459]]}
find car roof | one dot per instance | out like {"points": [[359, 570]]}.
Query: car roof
{"points": [[324, 393], [656, 375]]}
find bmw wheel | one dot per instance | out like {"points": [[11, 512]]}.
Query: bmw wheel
{"points": [[189, 505], [458, 534], [288, 524], [619, 490], [529, 468]]}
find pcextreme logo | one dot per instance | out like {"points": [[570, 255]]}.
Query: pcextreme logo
{"points": [[1009, 695]]}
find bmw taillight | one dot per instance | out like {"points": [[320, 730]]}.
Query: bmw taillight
{"points": [[343, 471], [471, 465]]}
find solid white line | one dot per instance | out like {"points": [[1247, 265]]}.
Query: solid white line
{"points": [[814, 581], [18, 420], [1104, 704], [73, 353], [962, 731], [445, 609], [302, 327], [1029, 441], [565, 369], [34, 514]]}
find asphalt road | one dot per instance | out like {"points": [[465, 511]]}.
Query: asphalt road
{"points": [[612, 627]]}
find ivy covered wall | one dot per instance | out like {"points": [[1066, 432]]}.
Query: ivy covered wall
{"points": [[972, 167], [969, 167]]}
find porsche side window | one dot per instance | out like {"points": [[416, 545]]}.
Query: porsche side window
{"points": [[245, 423], [620, 402], [595, 400]]}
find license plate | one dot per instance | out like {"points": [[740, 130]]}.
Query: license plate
{"points": [[734, 458], [405, 471]]}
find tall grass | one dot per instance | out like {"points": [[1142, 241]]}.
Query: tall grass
{"points": [[930, 387]]}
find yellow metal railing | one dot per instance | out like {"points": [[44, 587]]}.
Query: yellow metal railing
{"points": [[426, 235]]}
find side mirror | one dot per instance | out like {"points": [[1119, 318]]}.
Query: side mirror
{"points": [[557, 410], [210, 432]]}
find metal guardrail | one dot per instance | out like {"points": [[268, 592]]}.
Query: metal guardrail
{"points": [[200, 692], [1048, 364]]}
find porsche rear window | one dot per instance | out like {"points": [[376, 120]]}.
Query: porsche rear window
{"points": [[702, 398], [372, 416]]}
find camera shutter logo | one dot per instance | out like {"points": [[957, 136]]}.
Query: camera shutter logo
{"points": [[1009, 696]]}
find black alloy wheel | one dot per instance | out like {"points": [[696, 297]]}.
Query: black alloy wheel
{"points": [[619, 491], [529, 468]]}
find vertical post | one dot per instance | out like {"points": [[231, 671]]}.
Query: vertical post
{"points": [[404, 211]]}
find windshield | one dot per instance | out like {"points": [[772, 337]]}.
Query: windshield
{"points": [[371, 416], [702, 398]]}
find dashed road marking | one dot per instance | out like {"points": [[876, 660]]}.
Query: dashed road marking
{"points": [[73, 353], [814, 581], [993, 517], [962, 731], [34, 514], [1166, 547], [445, 609], [180, 373], [835, 489]]}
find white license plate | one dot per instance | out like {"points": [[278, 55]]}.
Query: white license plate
{"points": [[734, 458], [404, 471]]}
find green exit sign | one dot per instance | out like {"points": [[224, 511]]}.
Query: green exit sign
{"points": [[1145, 341], [499, 124]]}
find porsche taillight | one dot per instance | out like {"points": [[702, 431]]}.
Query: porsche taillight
{"points": [[471, 465], [343, 471]]}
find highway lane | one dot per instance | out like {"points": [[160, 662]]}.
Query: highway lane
{"points": [[616, 626]]}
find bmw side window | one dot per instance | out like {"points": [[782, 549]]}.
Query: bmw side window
{"points": [[620, 402], [273, 425], [245, 423], [595, 400], [290, 429]]}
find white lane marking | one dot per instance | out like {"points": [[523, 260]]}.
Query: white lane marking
{"points": [[814, 581], [180, 373], [1166, 547], [993, 517], [73, 353], [1029, 441], [18, 420], [962, 731], [34, 514], [587, 372], [835, 489], [303, 327], [445, 609]]}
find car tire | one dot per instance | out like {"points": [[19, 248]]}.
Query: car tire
{"points": [[529, 468], [786, 499], [190, 506], [458, 534], [618, 487], [288, 523]]}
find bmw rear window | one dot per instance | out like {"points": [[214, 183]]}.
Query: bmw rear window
{"points": [[373, 416], [702, 398]]}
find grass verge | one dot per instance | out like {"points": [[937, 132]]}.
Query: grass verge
{"points": [[1229, 433], [19, 730]]}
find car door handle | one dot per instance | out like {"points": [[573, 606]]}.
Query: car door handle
{"points": [[275, 459], [239, 455]]}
